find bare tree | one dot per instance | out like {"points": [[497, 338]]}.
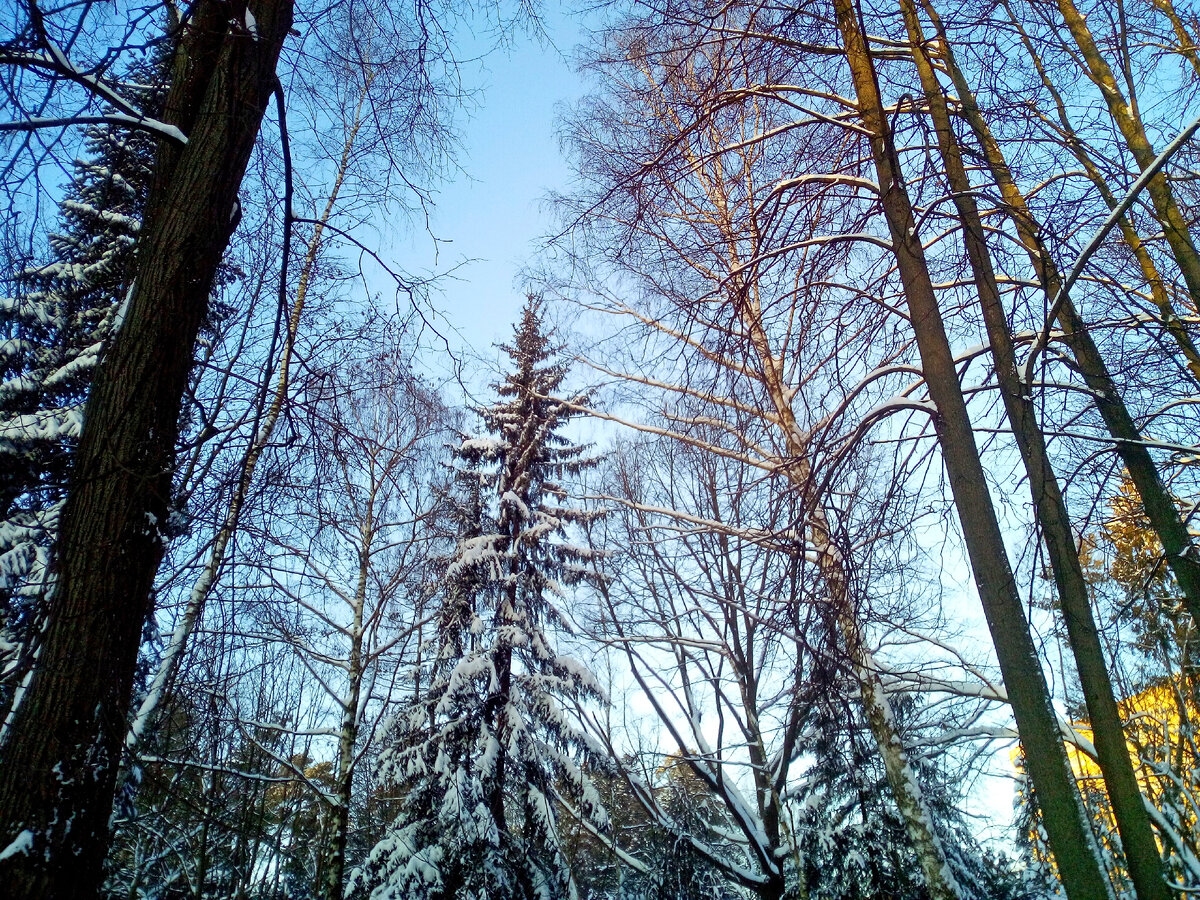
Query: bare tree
{"points": [[641, 196], [352, 559], [712, 228]]}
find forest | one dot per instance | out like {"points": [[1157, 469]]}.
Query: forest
{"points": [[826, 530]]}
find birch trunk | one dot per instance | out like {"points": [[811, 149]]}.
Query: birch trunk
{"points": [[1137, 839], [59, 763], [335, 867], [877, 709], [1070, 835]]}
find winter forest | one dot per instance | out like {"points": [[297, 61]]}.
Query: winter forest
{"points": [[825, 527]]}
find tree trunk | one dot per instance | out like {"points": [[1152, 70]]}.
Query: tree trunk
{"points": [[831, 562], [58, 767], [877, 708], [207, 579], [1130, 125], [1187, 45], [1179, 550], [335, 867], [1071, 839], [1141, 850]]}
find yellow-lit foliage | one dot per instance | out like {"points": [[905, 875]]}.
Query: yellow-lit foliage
{"points": [[1159, 728], [1137, 554], [1153, 719], [1159, 719]]}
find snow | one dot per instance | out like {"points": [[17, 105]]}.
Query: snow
{"points": [[119, 318], [22, 845], [482, 446], [43, 425], [509, 499], [145, 122]]}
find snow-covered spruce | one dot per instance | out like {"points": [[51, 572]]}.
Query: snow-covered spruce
{"points": [[54, 322], [484, 751]]}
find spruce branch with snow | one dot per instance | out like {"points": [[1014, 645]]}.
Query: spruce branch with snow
{"points": [[485, 752]]}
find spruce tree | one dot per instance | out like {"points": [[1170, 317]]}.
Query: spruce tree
{"points": [[54, 324], [855, 844], [485, 754]]}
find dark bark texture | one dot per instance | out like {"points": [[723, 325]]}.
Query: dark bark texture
{"points": [[58, 766]]}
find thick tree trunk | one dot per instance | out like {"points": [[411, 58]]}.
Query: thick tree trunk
{"points": [[1141, 850], [1178, 547], [58, 767], [1071, 839]]}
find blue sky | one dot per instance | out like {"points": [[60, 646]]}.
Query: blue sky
{"points": [[492, 214]]}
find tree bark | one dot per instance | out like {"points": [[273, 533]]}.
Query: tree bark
{"points": [[1133, 824], [58, 767], [1178, 548], [335, 867], [1187, 45], [877, 708], [1071, 839]]}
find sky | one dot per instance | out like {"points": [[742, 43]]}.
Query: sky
{"points": [[491, 215]]}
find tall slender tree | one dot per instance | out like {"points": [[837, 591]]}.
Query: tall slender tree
{"points": [[1141, 851], [1071, 838]]}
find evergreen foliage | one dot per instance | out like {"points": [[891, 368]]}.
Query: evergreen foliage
{"points": [[485, 751], [856, 844], [54, 324]]}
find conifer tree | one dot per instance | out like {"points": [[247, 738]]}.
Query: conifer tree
{"points": [[54, 324], [855, 843], [486, 754]]}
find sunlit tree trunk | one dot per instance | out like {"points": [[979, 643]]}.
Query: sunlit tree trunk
{"points": [[1187, 44], [768, 366], [1168, 316], [1129, 122], [876, 707], [1071, 839]]}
